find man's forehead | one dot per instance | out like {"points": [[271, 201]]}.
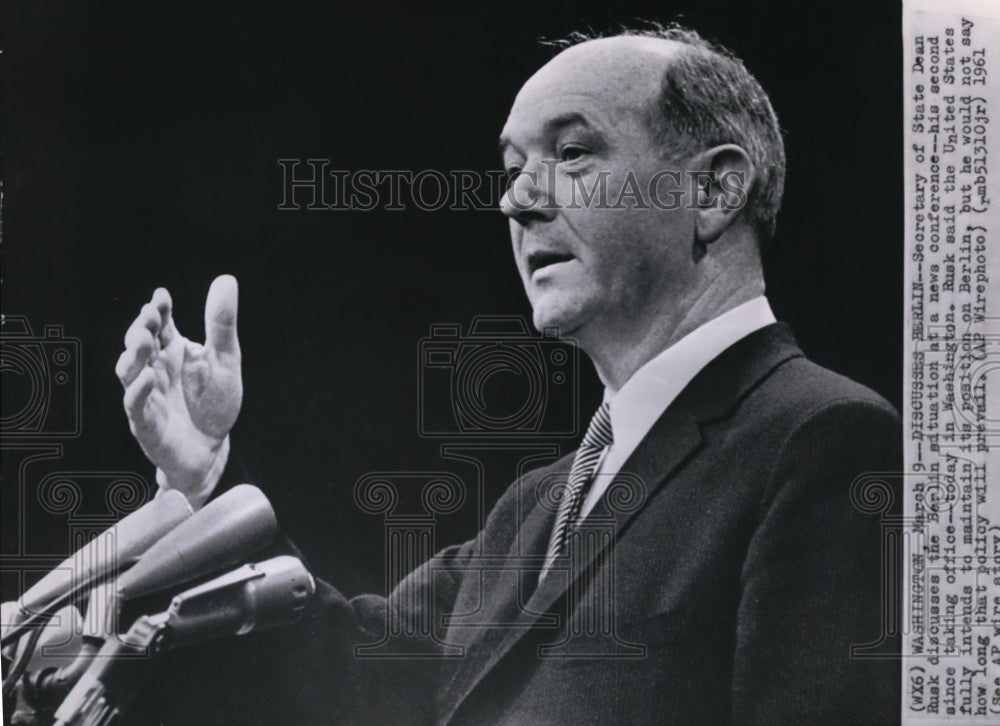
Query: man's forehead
{"points": [[623, 71], [618, 58]]}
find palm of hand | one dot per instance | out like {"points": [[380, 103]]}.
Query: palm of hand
{"points": [[194, 403], [213, 388]]}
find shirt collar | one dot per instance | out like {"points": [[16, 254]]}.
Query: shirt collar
{"points": [[652, 388]]}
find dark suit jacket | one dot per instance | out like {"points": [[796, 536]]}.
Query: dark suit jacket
{"points": [[723, 578]]}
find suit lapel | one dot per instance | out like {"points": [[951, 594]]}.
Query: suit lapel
{"points": [[676, 436], [645, 471]]}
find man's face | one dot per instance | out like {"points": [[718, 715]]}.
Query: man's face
{"points": [[589, 268]]}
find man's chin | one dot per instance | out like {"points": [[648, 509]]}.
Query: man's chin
{"points": [[546, 320]]}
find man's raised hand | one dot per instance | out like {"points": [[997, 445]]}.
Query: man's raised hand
{"points": [[181, 397]]}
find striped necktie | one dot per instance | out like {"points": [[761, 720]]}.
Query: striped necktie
{"points": [[598, 437]]}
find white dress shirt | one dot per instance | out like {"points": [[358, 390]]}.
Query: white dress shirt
{"points": [[646, 395]]}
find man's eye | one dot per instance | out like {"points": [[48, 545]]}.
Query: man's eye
{"points": [[571, 152], [512, 174]]}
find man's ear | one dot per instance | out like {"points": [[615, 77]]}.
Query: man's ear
{"points": [[723, 179]]}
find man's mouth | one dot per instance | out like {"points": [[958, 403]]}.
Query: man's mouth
{"points": [[541, 259]]}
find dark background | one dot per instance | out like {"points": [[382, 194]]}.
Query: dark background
{"points": [[139, 149]]}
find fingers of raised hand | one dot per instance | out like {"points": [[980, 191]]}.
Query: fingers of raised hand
{"points": [[141, 343], [136, 397], [164, 308], [152, 330], [220, 316]]}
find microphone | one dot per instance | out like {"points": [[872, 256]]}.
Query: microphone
{"points": [[59, 643], [223, 532], [253, 597], [49, 668], [267, 594], [133, 535]]}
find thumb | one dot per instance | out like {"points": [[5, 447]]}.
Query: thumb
{"points": [[220, 315]]}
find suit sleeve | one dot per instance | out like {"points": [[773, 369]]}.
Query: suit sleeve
{"points": [[812, 582], [379, 656]]}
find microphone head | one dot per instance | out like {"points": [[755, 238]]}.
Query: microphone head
{"points": [[225, 531], [281, 595], [256, 596], [121, 544]]}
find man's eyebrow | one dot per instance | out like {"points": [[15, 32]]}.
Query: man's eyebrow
{"points": [[504, 144], [554, 124]]}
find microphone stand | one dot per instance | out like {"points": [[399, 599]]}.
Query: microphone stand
{"points": [[255, 596]]}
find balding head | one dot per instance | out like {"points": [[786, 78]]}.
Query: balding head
{"points": [[629, 68], [704, 96]]}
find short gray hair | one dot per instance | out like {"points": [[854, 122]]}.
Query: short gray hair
{"points": [[708, 98]]}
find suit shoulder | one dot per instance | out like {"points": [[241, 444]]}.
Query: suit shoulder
{"points": [[825, 431], [801, 389]]}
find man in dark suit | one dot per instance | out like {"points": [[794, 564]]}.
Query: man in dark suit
{"points": [[712, 551]]}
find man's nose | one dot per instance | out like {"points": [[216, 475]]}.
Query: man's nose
{"points": [[529, 196]]}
